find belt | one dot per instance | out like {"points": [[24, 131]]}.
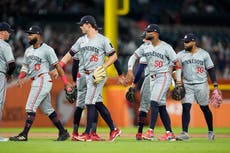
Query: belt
{"points": [[33, 78], [87, 71], [154, 75]]}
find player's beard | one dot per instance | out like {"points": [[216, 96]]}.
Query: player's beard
{"points": [[189, 48], [149, 38], [33, 41]]}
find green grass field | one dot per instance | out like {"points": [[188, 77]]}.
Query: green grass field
{"points": [[126, 143]]}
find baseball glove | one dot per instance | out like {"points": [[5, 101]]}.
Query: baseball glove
{"points": [[216, 98], [178, 92], [71, 96], [131, 95], [99, 74]]}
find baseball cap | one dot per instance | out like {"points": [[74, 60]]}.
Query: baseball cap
{"points": [[34, 30], [153, 28], [189, 37], [88, 19], [5, 27]]}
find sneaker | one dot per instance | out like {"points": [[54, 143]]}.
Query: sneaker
{"points": [[64, 135], [211, 135], [148, 135], [3, 139], [20, 137], [169, 136], [84, 137], [74, 136], [139, 136], [95, 137], [115, 133], [183, 136]]}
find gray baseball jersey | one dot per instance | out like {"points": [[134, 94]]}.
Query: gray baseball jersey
{"points": [[194, 70], [39, 61], [91, 53], [159, 59], [6, 57]]}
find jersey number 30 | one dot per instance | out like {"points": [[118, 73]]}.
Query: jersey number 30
{"points": [[199, 69]]}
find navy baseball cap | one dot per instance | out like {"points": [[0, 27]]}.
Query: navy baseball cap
{"points": [[189, 37], [88, 19], [34, 30], [5, 27], [153, 28]]}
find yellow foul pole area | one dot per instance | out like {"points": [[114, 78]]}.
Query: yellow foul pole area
{"points": [[111, 24]]}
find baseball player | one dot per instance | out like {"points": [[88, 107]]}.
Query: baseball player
{"points": [[7, 64], [80, 80], [159, 56], [38, 59], [145, 90], [196, 63], [90, 49]]}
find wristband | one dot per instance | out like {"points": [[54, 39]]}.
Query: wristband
{"points": [[62, 64], [21, 75], [64, 80]]}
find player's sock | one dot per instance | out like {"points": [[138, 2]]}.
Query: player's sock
{"points": [[53, 117], [29, 121], [105, 114], [186, 116], [153, 114], [91, 111], [208, 117], [94, 124], [165, 118], [77, 118], [141, 121]]}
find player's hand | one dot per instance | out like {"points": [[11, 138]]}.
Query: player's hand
{"points": [[68, 87], [179, 83], [19, 83], [54, 74], [122, 80], [129, 76]]}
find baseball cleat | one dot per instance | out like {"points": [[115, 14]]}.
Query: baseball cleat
{"points": [[169, 136], [183, 136], [149, 135], [95, 137], [113, 134], [139, 136], [64, 135], [84, 137], [74, 136], [20, 137], [211, 135]]}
